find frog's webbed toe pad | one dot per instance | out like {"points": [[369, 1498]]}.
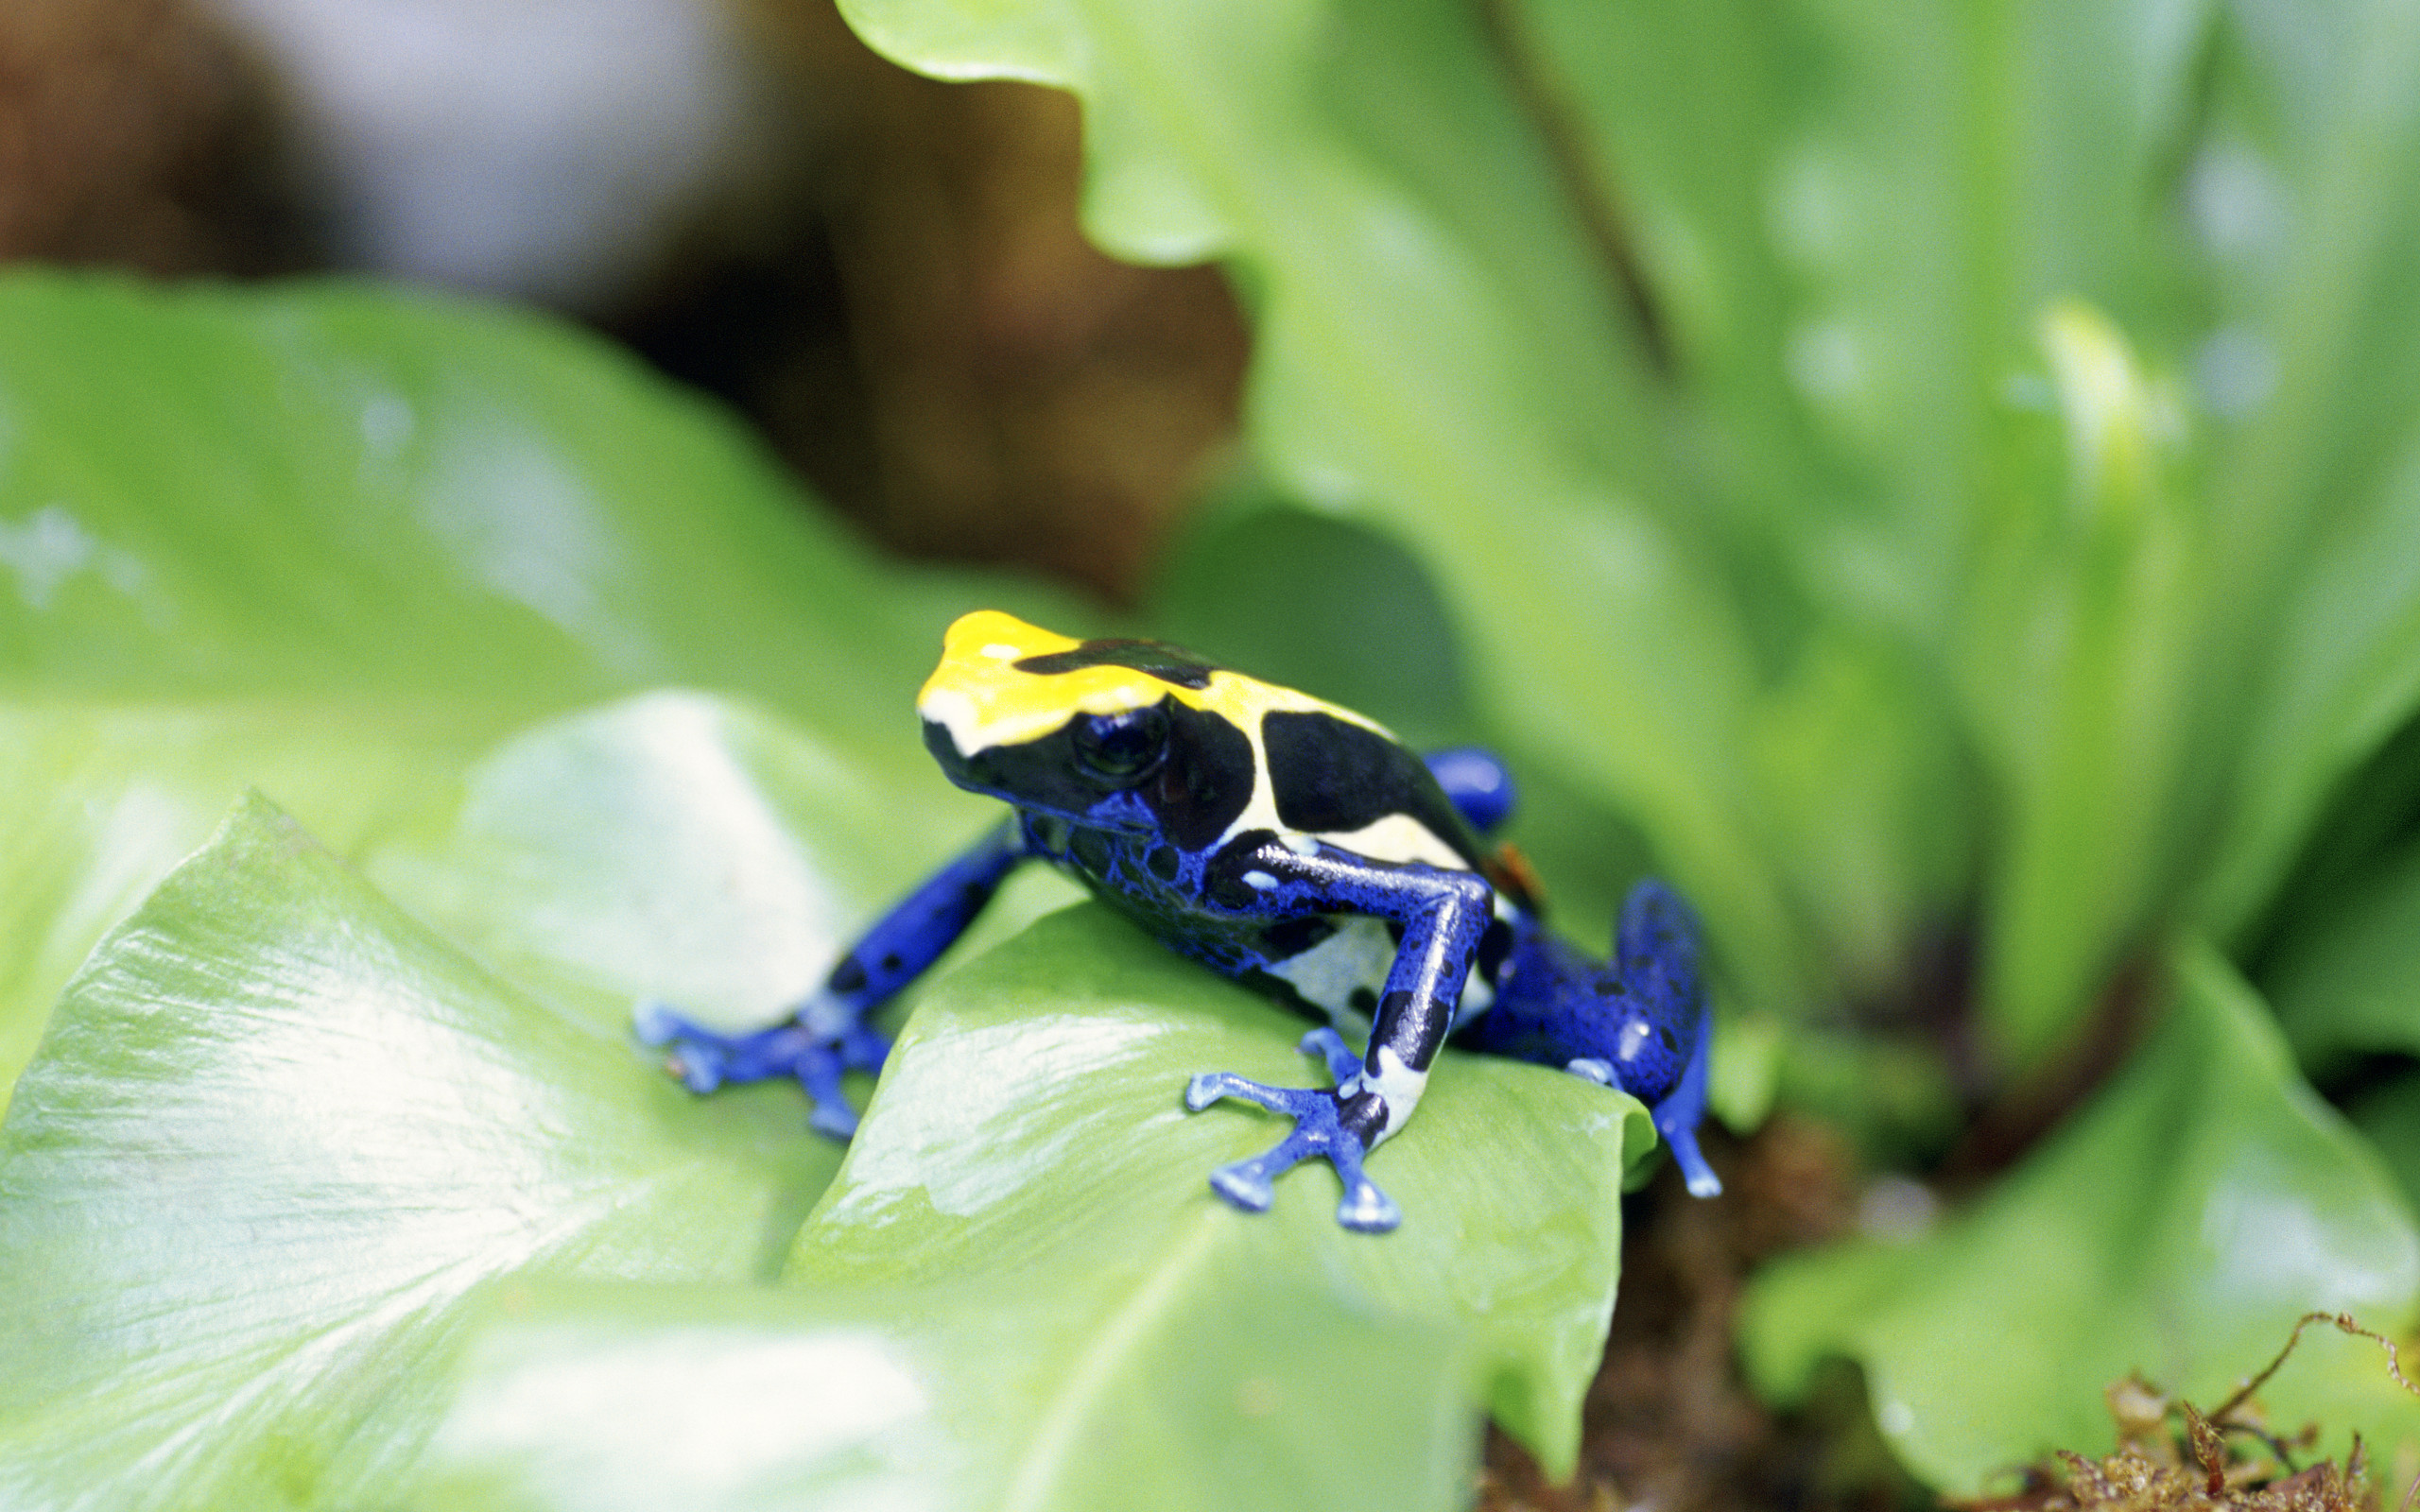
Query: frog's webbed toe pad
{"points": [[1319, 1130], [704, 1059]]}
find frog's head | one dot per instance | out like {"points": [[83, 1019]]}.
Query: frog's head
{"points": [[1118, 734]]}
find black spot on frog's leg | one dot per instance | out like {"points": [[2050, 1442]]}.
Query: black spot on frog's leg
{"points": [[1396, 1002], [847, 977], [1331, 775], [1206, 780], [1289, 937], [1169, 663], [1162, 862], [1493, 947]]}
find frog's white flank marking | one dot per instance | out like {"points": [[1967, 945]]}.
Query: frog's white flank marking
{"points": [[1259, 881], [1600, 1071], [1358, 955], [1398, 1085], [1302, 844], [1398, 838]]}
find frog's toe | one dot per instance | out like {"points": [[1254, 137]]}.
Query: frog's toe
{"points": [[1683, 1141], [818, 1069], [1366, 1209], [656, 1024], [834, 1118], [698, 1057], [1246, 1183], [863, 1049], [695, 1065], [1210, 1086], [1342, 1064]]}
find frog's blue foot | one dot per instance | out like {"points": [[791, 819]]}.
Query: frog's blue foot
{"points": [[1676, 1117], [817, 1051], [1319, 1130]]}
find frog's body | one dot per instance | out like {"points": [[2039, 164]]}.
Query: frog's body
{"points": [[1281, 840]]}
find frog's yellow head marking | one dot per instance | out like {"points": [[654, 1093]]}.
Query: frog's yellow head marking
{"points": [[1004, 682]]}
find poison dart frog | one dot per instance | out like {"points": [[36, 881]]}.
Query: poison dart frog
{"points": [[1283, 841]]}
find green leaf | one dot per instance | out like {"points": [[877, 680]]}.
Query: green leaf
{"points": [[333, 540], [1029, 1141], [2083, 638], [2389, 1115], [682, 847], [277, 1133], [1435, 343], [342, 489], [2314, 503], [2348, 981], [603, 1399], [99, 799], [2177, 1226]]}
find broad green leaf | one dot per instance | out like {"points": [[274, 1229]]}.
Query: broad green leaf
{"points": [[2314, 503], [341, 489], [682, 847], [1871, 809], [1436, 344], [2389, 1115], [2348, 981], [1685, 112], [2346, 676], [1029, 1141], [330, 540], [99, 800], [1850, 214], [275, 1136], [2177, 1226], [1322, 602], [596, 1400]]}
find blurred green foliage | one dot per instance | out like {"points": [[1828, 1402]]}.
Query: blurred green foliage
{"points": [[1912, 474]]}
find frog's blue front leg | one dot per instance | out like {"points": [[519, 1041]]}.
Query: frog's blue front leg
{"points": [[1442, 914], [828, 1035]]}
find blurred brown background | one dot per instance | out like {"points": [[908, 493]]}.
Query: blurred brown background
{"points": [[884, 273]]}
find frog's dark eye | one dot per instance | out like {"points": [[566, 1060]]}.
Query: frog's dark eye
{"points": [[1122, 747]]}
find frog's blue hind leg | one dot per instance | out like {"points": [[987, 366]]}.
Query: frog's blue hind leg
{"points": [[1677, 1117], [1657, 944], [828, 1035], [1318, 1130], [1477, 783]]}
